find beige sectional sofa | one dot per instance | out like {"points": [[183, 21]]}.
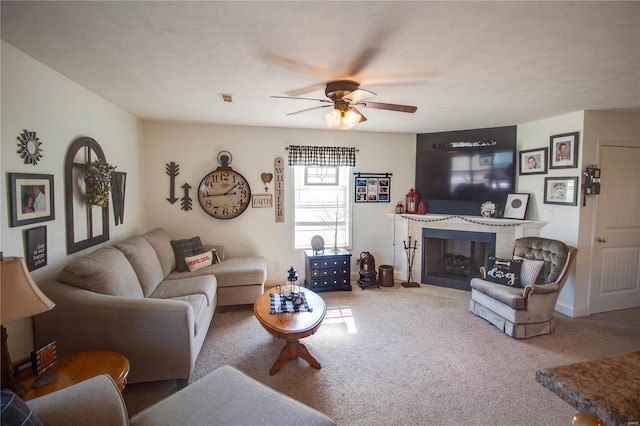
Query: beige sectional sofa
{"points": [[130, 299], [225, 396]]}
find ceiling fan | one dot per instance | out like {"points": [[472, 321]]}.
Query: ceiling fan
{"points": [[344, 96]]}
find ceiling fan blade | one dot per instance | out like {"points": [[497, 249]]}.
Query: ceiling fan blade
{"points": [[362, 60], [375, 41], [362, 117], [308, 109], [307, 89], [304, 99], [390, 107], [358, 95]]}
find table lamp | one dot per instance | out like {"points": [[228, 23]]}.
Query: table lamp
{"points": [[21, 298]]}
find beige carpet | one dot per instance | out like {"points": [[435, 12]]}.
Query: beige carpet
{"points": [[411, 356]]}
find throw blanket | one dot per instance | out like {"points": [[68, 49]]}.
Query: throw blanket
{"points": [[280, 304]]}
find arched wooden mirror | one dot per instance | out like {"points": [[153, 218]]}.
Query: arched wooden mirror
{"points": [[86, 226]]}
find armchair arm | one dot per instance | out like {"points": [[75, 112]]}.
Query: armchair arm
{"points": [[96, 401], [154, 334], [542, 288]]}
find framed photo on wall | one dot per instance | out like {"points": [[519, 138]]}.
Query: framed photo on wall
{"points": [[372, 189], [31, 198], [563, 151], [561, 190], [516, 206], [534, 161]]}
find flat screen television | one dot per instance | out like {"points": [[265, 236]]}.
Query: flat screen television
{"points": [[458, 171]]}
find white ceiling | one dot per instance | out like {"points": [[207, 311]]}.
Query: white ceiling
{"points": [[463, 64]]}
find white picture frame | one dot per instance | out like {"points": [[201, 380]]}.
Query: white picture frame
{"points": [[260, 201], [516, 206]]}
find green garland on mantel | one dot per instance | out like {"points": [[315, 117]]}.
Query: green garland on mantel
{"points": [[420, 218], [98, 180]]}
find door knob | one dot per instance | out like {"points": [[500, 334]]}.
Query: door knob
{"points": [[602, 240]]}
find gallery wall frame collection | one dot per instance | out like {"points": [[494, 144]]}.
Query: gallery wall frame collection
{"points": [[562, 153], [372, 187]]}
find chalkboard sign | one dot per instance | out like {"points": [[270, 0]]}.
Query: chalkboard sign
{"points": [[36, 247]]}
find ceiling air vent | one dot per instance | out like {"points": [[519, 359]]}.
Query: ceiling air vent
{"points": [[225, 97]]}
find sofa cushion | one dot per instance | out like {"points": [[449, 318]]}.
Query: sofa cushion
{"points": [[229, 397], [144, 261], [235, 271], [200, 308], [204, 285], [185, 248], [16, 412], [504, 271], [105, 271], [512, 297], [161, 243]]}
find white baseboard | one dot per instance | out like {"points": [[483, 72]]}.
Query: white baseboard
{"points": [[573, 312]]}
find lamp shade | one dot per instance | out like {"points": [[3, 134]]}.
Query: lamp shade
{"points": [[21, 297]]}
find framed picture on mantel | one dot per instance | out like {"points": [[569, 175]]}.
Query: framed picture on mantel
{"points": [[516, 206]]}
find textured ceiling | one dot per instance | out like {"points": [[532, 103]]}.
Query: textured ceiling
{"points": [[463, 64]]}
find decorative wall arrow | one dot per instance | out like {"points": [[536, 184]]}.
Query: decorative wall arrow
{"points": [[173, 170], [186, 200], [118, 186]]}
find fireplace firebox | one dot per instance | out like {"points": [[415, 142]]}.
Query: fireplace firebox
{"points": [[451, 258]]}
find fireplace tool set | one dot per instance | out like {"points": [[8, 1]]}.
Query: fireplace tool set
{"points": [[411, 253]]}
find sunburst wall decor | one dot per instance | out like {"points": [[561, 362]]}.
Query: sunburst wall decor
{"points": [[29, 147]]}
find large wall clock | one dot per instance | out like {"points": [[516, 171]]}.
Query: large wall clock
{"points": [[224, 193]]}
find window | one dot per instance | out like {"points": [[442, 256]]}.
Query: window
{"points": [[320, 195]]}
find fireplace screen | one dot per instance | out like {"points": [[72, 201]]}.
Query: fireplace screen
{"points": [[453, 258]]}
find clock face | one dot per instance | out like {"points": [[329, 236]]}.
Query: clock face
{"points": [[224, 193]]}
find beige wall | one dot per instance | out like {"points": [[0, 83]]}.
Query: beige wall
{"points": [[573, 225], [36, 98], [195, 147], [563, 221]]}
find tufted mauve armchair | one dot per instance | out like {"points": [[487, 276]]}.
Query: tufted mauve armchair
{"points": [[525, 312]]}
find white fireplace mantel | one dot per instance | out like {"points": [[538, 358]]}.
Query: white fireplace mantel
{"points": [[410, 226]]}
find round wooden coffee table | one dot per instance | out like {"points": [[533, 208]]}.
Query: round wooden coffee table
{"points": [[291, 326]]}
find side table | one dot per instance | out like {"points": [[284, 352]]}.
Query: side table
{"points": [[77, 367]]}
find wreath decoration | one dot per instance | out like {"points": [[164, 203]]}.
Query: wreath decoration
{"points": [[98, 180]]}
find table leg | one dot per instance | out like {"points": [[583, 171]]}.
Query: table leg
{"points": [[291, 351]]}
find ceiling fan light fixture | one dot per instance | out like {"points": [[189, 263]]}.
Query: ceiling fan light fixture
{"points": [[333, 118], [345, 118], [349, 119]]}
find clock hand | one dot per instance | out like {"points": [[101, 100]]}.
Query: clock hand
{"points": [[232, 188], [220, 195]]}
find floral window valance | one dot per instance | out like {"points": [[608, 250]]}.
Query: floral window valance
{"points": [[326, 156]]}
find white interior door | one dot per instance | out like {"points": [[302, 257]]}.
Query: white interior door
{"points": [[616, 269]]}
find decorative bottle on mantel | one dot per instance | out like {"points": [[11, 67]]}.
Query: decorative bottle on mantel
{"points": [[422, 209], [412, 202]]}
